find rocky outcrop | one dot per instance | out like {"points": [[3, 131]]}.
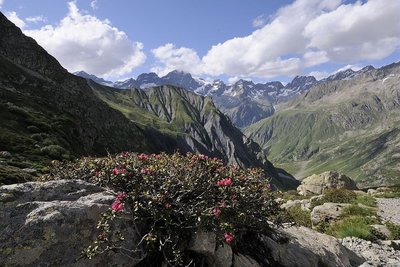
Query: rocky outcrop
{"points": [[327, 213], [306, 247], [376, 254], [317, 184], [49, 224]]}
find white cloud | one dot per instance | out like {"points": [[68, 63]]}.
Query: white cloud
{"points": [[93, 4], [13, 17], [301, 35], [257, 54], [83, 42], [314, 58], [170, 58], [359, 31], [1, 2], [260, 21], [353, 67], [36, 19]]}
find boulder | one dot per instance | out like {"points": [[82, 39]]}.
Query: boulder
{"points": [[381, 231], [327, 212], [317, 184], [303, 203], [307, 247], [49, 224]]}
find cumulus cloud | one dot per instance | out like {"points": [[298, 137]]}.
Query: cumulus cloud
{"points": [[13, 17], [355, 67], [36, 19], [301, 35], [359, 31], [170, 58], [84, 42]]}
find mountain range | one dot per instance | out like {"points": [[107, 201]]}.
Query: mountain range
{"points": [[48, 114], [245, 102], [345, 122], [348, 122]]}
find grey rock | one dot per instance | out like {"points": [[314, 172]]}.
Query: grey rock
{"points": [[388, 209], [376, 254], [381, 230], [307, 247], [240, 260], [49, 224], [327, 212], [204, 243], [303, 203], [223, 257], [317, 184]]}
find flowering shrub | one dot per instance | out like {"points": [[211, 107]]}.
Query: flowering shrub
{"points": [[171, 197]]}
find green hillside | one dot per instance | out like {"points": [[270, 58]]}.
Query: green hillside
{"points": [[350, 126]]}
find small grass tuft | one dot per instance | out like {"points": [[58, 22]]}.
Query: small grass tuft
{"points": [[356, 226]]}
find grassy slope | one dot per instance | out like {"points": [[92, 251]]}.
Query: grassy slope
{"points": [[354, 131]]}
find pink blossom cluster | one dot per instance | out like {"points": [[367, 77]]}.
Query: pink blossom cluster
{"points": [[228, 237], [117, 205], [224, 182], [117, 171], [217, 212], [142, 156]]}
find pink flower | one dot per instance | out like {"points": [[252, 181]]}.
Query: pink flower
{"points": [[98, 173], [158, 157], [228, 182], [102, 236], [142, 156], [117, 206], [117, 171], [228, 237], [168, 206], [224, 182], [217, 212], [121, 196]]}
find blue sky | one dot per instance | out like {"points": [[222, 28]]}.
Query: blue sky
{"points": [[262, 40]]}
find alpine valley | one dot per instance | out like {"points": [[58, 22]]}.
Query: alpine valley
{"points": [[347, 122], [49, 114]]}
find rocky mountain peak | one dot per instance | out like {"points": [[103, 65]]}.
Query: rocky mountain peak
{"points": [[94, 78]]}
